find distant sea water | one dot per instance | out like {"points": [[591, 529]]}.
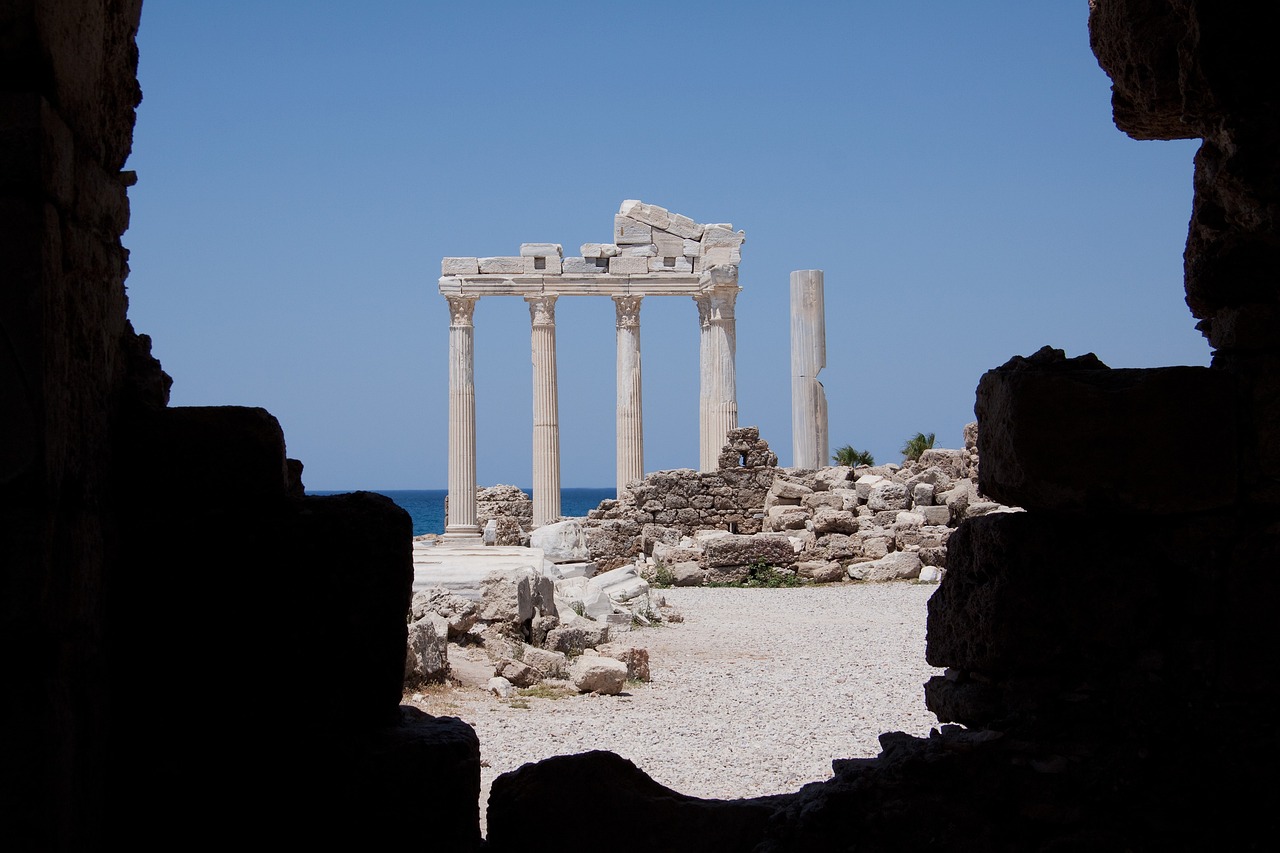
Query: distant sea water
{"points": [[426, 506]]}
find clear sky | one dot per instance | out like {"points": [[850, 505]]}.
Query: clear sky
{"points": [[952, 167]]}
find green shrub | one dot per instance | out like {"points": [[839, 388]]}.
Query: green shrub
{"points": [[848, 455], [917, 444]]}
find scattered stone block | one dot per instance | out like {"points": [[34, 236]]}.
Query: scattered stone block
{"points": [[598, 250], [541, 250], [593, 674]]}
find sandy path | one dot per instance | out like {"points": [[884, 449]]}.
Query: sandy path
{"points": [[754, 693]]}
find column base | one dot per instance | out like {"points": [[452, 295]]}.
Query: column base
{"points": [[462, 534]]}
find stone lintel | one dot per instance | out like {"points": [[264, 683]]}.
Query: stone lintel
{"points": [[649, 284]]}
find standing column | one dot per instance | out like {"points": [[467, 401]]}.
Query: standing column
{"points": [[461, 521], [630, 428], [719, 383], [808, 356], [546, 412]]}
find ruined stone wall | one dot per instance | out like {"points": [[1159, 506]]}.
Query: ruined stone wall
{"points": [[167, 588]]}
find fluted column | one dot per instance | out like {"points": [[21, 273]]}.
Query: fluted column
{"points": [[718, 397], [630, 429], [808, 356], [546, 412], [461, 521]]}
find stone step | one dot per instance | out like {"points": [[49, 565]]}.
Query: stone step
{"points": [[461, 569]]}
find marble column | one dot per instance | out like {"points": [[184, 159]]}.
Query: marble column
{"points": [[630, 429], [718, 397], [461, 520], [809, 447], [546, 412]]}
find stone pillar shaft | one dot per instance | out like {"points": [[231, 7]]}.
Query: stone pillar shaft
{"points": [[719, 385], [461, 520], [809, 440], [546, 411], [630, 429]]}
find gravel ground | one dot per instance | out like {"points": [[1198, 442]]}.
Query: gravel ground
{"points": [[754, 693]]}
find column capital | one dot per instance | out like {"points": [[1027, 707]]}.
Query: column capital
{"points": [[461, 309], [716, 304], [628, 309], [542, 309]]}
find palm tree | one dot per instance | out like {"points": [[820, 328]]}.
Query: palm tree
{"points": [[853, 458], [917, 444]]}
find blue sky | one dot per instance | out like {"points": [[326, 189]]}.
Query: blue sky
{"points": [[953, 168]]}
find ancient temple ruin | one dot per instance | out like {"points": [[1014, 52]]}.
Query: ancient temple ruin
{"points": [[653, 252]]}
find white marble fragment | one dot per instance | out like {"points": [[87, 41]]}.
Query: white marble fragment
{"points": [[717, 235], [716, 255], [544, 250], [599, 250], [668, 244], [543, 265], [501, 266], [639, 250], [692, 248], [628, 231], [683, 226], [579, 266], [628, 265], [679, 264], [459, 266]]}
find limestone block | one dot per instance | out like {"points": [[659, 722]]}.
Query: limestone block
{"points": [[827, 520], [787, 490], [737, 550], [627, 231], [649, 214], [598, 250], [501, 688], [818, 500], [875, 547], [1059, 433], [636, 659], [459, 613], [639, 250], [820, 571], [519, 674], [787, 517], [887, 496], [692, 248], [577, 638], [684, 227], [668, 244], [929, 574], [955, 463], [864, 484], [628, 265], [584, 266], [719, 236], [507, 596], [594, 674], [687, 573], [900, 565], [922, 494], [561, 542], [543, 265], [426, 658], [459, 266], [678, 264], [501, 266], [934, 514], [719, 256], [541, 250], [547, 663]]}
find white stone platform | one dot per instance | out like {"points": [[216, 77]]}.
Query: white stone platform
{"points": [[460, 568]]}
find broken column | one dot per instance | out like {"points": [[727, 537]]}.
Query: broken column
{"points": [[809, 444], [461, 520], [546, 411], [630, 429]]}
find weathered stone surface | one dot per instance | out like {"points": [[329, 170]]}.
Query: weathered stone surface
{"points": [[687, 574], [771, 548], [427, 656], [834, 521], [507, 597], [1127, 429], [635, 658], [460, 613], [547, 663], [896, 566], [459, 266], [888, 496], [518, 673], [561, 542], [574, 639], [820, 571], [593, 674]]}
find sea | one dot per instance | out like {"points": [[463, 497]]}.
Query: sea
{"points": [[426, 506]]}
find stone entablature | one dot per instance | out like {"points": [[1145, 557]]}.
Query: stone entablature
{"points": [[654, 252]]}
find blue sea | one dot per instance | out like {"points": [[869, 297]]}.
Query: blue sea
{"points": [[426, 506]]}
